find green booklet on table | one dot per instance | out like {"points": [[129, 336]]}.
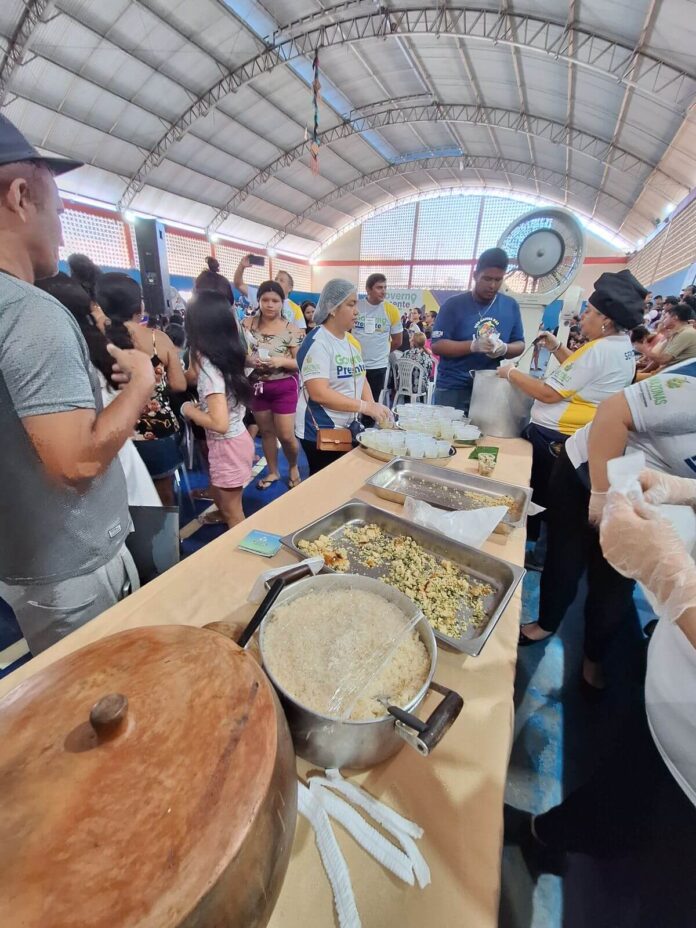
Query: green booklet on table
{"points": [[264, 543]]}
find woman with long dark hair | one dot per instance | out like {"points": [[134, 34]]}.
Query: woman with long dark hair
{"points": [[141, 491], [121, 299], [86, 273], [218, 356], [212, 279]]}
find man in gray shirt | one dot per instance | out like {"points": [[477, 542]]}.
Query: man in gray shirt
{"points": [[63, 504]]}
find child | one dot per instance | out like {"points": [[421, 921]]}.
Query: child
{"points": [[218, 355]]}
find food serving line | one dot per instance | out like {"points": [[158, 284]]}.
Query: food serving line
{"points": [[456, 794]]}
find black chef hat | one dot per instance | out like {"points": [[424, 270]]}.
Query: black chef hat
{"points": [[620, 297], [492, 257]]}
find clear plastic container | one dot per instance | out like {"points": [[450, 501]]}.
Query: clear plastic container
{"points": [[443, 449]]}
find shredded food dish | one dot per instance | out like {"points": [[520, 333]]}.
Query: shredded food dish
{"points": [[453, 602], [318, 646]]}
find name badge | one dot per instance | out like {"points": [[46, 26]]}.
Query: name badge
{"points": [[370, 325]]}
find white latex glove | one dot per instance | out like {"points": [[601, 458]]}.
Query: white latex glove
{"points": [[597, 503], [640, 544], [499, 349], [662, 488], [482, 345]]}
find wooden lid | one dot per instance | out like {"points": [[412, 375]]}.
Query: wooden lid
{"points": [[128, 819]]}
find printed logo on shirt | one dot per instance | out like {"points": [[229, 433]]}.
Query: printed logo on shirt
{"points": [[346, 368], [656, 391], [673, 383], [438, 333], [487, 327], [310, 366], [371, 325]]}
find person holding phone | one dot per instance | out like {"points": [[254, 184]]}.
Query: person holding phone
{"points": [[274, 342], [291, 311]]}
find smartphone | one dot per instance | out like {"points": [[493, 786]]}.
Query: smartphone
{"points": [[257, 260]]}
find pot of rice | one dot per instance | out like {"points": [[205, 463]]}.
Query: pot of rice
{"points": [[352, 659]]}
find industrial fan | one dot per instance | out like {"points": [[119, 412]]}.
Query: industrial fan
{"points": [[546, 249]]}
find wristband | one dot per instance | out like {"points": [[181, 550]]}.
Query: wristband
{"points": [[509, 369]]}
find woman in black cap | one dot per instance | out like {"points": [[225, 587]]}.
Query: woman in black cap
{"points": [[573, 543], [567, 400]]}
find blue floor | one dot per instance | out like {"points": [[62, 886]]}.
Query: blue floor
{"points": [[557, 738]]}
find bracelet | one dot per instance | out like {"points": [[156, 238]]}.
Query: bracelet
{"points": [[361, 407]]}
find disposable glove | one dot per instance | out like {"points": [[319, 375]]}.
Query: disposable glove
{"points": [[499, 349], [481, 345], [597, 502], [640, 544], [547, 340], [662, 488]]}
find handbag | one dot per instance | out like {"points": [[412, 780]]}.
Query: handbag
{"points": [[339, 440]]}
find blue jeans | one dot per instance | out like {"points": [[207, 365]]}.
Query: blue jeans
{"points": [[459, 397]]}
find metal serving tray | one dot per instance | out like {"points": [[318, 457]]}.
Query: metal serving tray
{"points": [[404, 477], [500, 575]]}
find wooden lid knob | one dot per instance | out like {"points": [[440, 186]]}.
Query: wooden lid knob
{"points": [[108, 713]]}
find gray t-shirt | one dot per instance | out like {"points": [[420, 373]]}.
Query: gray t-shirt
{"points": [[49, 531]]}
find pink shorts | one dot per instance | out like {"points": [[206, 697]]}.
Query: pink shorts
{"points": [[230, 460], [278, 396]]}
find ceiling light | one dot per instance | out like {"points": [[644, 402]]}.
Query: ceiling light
{"points": [[669, 208], [271, 252], [214, 237], [129, 216]]}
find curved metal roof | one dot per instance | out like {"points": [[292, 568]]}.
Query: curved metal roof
{"points": [[197, 110]]}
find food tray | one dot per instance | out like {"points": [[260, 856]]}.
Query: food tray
{"points": [[415, 478], [502, 576], [388, 456]]}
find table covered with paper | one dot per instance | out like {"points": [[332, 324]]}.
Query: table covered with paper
{"points": [[455, 795]]}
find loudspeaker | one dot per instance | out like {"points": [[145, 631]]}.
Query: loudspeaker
{"points": [[154, 270]]}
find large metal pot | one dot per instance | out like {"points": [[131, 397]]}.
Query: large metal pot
{"points": [[497, 407], [171, 804], [330, 742]]}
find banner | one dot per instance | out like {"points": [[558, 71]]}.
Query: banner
{"points": [[405, 299]]}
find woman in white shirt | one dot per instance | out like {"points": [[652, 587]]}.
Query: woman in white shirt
{"points": [[568, 399], [642, 798], [335, 390]]}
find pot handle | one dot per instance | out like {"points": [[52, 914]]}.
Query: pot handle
{"points": [[425, 736], [279, 584]]}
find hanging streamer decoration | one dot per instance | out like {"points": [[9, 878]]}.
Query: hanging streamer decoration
{"points": [[316, 87]]}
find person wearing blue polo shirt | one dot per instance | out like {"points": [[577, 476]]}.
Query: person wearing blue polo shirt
{"points": [[475, 331]]}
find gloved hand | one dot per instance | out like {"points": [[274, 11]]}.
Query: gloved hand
{"points": [[597, 502], [640, 544], [662, 488], [547, 340], [481, 345], [499, 349]]}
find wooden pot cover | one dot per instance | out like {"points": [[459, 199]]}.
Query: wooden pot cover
{"points": [[146, 780]]}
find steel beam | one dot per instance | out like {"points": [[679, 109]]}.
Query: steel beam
{"points": [[17, 47], [656, 77], [542, 175], [539, 127]]}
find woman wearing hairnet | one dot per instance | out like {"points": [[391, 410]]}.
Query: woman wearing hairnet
{"points": [[642, 799], [335, 390]]}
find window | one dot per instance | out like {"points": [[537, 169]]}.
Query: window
{"points": [[447, 227], [300, 273], [498, 214], [229, 258], [100, 238], [185, 254], [397, 276], [389, 235], [441, 276]]}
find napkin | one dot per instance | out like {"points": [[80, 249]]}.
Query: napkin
{"points": [[469, 527]]}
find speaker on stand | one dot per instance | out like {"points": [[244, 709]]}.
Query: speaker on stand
{"points": [[151, 243]]}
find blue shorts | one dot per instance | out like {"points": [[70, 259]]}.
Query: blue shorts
{"points": [[161, 456]]}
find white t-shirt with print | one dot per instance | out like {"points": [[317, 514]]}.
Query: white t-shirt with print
{"points": [[374, 327], [338, 360], [210, 380], [591, 374], [663, 408]]}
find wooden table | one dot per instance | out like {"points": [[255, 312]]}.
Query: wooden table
{"points": [[456, 795]]}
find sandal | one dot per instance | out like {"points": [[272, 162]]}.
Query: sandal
{"points": [[266, 482], [294, 481], [212, 518]]}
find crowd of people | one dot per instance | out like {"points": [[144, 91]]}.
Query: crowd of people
{"points": [[94, 399]]}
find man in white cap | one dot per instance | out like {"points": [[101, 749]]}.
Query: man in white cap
{"points": [[63, 497]]}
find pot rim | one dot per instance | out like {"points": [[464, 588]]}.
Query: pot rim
{"points": [[428, 640]]}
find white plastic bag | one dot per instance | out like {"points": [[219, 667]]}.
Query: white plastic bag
{"points": [[469, 527]]}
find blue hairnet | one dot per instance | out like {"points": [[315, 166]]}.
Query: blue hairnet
{"points": [[334, 293]]}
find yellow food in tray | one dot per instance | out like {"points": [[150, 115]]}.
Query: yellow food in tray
{"points": [[453, 602]]}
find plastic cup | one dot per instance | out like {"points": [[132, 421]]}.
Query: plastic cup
{"points": [[430, 448], [486, 464], [443, 449]]}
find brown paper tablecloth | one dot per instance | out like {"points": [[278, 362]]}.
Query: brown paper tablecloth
{"points": [[456, 794]]}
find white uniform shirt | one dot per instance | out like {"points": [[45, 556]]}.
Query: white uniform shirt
{"points": [[374, 328], [210, 380]]}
